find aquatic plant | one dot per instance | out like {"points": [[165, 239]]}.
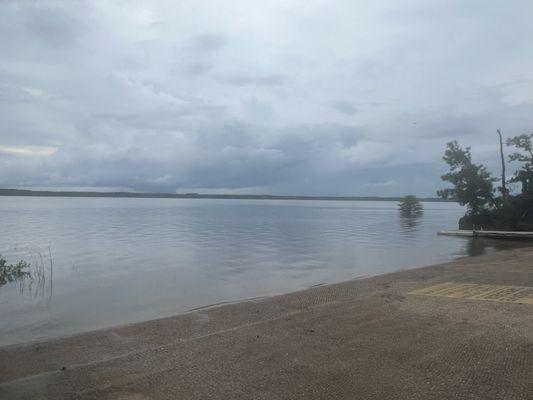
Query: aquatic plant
{"points": [[13, 272]]}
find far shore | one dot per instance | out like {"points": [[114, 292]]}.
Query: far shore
{"points": [[48, 193], [457, 330]]}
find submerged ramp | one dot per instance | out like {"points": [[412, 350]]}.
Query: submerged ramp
{"points": [[489, 234]]}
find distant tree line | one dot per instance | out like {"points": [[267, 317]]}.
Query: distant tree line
{"points": [[472, 185]]}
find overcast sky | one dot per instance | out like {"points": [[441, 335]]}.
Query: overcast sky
{"points": [[340, 97]]}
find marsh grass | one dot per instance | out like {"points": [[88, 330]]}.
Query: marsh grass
{"points": [[34, 278]]}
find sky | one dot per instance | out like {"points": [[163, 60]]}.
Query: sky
{"points": [[337, 97]]}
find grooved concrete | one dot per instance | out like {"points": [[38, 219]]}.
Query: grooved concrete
{"points": [[476, 291], [364, 339]]}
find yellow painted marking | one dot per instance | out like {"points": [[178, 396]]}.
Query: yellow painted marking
{"points": [[475, 291]]}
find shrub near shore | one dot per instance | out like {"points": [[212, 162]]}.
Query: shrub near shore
{"points": [[13, 272], [472, 186]]}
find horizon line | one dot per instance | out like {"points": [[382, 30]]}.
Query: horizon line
{"points": [[193, 195]]}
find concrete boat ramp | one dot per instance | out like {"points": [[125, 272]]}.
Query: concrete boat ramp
{"points": [[489, 234], [462, 330]]}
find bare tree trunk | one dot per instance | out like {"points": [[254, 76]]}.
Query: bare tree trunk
{"points": [[504, 187]]}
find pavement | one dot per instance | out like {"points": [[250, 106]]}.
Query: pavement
{"points": [[462, 330]]}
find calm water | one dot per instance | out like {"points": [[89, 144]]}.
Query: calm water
{"points": [[116, 261]]}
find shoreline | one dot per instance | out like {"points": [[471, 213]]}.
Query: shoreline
{"points": [[146, 195], [224, 303], [309, 340]]}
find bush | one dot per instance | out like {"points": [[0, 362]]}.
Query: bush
{"points": [[516, 216], [10, 273], [410, 206]]}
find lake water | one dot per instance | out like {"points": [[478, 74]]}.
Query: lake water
{"points": [[117, 261]]}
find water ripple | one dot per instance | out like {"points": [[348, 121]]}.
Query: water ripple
{"points": [[124, 260]]}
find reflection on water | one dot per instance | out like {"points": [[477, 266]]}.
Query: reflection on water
{"points": [[480, 246], [410, 223], [119, 261]]}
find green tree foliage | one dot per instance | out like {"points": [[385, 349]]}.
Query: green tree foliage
{"points": [[410, 206], [11, 273], [472, 183], [524, 145]]}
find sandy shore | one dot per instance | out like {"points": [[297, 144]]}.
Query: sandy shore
{"points": [[462, 330]]}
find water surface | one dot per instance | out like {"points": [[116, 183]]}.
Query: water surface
{"points": [[117, 260]]}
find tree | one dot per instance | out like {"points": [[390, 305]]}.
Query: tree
{"points": [[525, 155], [472, 183], [503, 188], [410, 206]]}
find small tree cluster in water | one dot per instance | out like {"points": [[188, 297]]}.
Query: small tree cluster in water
{"points": [[473, 186], [410, 206]]}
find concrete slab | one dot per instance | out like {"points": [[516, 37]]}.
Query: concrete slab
{"points": [[489, 234]]}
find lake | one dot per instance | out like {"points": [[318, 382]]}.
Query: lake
{"points": [[100, 262]]}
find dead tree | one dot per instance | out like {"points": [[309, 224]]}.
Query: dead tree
{"points": [[503, 188]]}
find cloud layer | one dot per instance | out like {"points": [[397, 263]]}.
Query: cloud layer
{"points": [[284, 97]]}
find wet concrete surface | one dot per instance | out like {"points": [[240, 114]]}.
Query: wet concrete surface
{"points": [[362, 339]]}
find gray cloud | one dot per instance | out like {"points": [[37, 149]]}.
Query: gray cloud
{"points": [[54, 25], [339, 99], [208, 42], [258, 80], [199, 68], [344, 107]]}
